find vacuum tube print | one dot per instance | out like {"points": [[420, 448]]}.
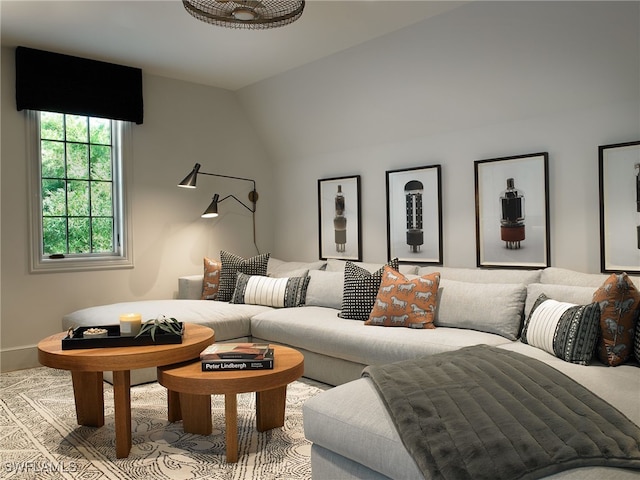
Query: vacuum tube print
{"points": [[414, 215], [340, 222], [413, 196], [339, 218], [512, 230], [619, 188], [508, 235]]}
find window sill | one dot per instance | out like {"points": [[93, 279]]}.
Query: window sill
{"points": [[60, 265]]}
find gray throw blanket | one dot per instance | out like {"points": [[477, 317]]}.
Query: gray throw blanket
{"points": [[487, 413]]}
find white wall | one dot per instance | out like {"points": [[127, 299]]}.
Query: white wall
{"points": [[184, 123], [486, 80]]}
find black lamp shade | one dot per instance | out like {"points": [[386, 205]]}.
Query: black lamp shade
{"points": [[212, 209], [190, 180]]}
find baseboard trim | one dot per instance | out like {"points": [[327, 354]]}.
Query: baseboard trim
{"points": [[19, 358]]}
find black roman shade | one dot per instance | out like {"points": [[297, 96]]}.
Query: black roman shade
{"points": [[62, 83]]}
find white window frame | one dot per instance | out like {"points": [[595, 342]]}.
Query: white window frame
{"points": [[122, 173]]}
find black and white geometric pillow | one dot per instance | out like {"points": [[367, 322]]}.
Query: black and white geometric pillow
{"points": [[566, 330], [231, 264], [360, 290]]}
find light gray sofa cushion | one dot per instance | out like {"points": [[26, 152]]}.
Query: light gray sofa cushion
{"points": [[563, 276], [320, 330], [488, 307], [229, 321], [335, 265], [281, 268], [328, 464], [352, 420], [561, 293], [190, 287], [325, 289], [479, 275], [618, 385]]}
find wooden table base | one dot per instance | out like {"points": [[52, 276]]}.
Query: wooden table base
{"points": [[189, 391], [122, 411], [195, 413], [87, 367], [89, 398]]}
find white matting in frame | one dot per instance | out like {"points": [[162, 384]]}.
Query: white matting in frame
{"points": [[512, 211], [339, 218], [414, 215], [619, 169]]}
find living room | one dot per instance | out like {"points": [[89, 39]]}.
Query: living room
{"points": [[447, 84], [482, 80]]}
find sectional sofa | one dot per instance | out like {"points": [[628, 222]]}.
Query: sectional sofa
{"points": [[352, 431]]}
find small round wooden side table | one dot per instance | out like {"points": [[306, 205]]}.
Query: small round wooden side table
{"points": [[190, 389], [87, 364]]}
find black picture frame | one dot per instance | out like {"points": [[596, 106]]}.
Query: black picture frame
{"points": [[619, 189], [339, 219], [506, 188], [414, 215]]}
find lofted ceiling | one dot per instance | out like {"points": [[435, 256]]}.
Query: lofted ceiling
{"points": [[163, 39]]}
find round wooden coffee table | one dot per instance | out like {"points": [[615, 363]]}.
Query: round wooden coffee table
{"points": [[87, 364], [190, 389]]}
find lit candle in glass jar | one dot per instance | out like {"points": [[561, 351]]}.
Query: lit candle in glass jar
{"points": [[130, 324]]}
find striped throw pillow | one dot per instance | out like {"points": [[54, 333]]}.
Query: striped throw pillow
{"points": [[271, 292], [563, 329]]}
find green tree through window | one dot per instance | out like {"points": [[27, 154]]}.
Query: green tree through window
{"points": [[79, 190], [77, 182]]}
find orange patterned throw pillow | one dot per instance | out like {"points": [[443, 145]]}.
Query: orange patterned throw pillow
{"points": [[211, 279], [402, 302], [619, 301]]}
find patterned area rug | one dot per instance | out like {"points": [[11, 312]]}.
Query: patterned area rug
{"points": [[39, 436]]}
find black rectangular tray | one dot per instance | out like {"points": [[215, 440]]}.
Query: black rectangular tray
{"points": [[113, 338]]}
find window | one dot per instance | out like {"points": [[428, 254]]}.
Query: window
{"points": [[79, 214]]}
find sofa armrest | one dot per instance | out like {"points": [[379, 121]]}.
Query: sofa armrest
{"points": [[190, 287]]}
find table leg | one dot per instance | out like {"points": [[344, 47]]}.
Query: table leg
{"points": [[173, 406], [89, 397], [196, 413], [231, 425], [122, 411], [270, 406]]}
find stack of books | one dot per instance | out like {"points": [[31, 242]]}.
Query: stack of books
{"points": [[236, 356]]}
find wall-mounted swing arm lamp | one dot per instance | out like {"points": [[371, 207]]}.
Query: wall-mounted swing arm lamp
{"points": [[212, 210], [190, 182]]}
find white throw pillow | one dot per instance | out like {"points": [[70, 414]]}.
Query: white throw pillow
{"points": [[562, 293]]}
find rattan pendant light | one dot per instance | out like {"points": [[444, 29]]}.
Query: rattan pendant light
{"points": [[252, 14]]}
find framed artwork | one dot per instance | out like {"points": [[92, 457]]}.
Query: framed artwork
{"points": [[339, 218], [414, 215], [619, 170], [512, 211]]}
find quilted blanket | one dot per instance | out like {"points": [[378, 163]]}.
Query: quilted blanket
{"points": [[487, 413]]}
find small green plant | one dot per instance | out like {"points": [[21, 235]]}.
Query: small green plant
{"points": [[169, 325]]}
